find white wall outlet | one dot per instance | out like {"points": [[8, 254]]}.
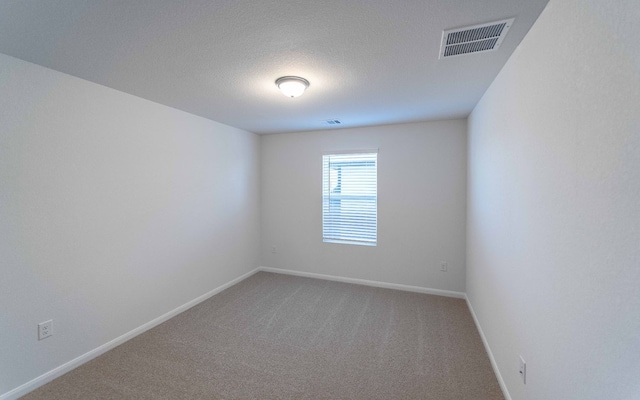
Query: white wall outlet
{"points": [[273, 249], [523, 370], [45, 329], [444, 266]]}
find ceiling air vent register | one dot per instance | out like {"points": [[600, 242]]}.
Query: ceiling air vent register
{"points": [[332, 122], [474, 39]]}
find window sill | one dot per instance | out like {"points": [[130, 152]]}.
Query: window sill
{"points": [[369, 244]]}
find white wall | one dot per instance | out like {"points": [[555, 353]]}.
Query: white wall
{"points": [[113, 211], [553, 268], [421, 204]]}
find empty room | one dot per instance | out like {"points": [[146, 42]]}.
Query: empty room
{"points": [[411, 199]]}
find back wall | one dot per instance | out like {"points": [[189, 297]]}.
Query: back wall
{"points": [[421, 204]]}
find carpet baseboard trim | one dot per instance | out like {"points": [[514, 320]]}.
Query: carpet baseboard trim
{"points": [[494, 364], [397, 286], [88, 356]]}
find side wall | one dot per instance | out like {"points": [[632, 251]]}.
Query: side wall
{"points": [[113, 211], [421, 204], [553, 269]]}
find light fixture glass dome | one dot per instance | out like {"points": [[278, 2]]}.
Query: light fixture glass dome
{"points": [[292, 86]]}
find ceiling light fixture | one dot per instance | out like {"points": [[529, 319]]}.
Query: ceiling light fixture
{"points": [[292, 86]]}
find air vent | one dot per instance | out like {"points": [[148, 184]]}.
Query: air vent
{"points": [[332, 122], [474, 39]]}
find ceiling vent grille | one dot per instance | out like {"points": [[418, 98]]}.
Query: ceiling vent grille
{"points": [[474, 39], [332, 122]]}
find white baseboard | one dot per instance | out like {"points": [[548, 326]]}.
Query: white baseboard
{"points": [[76, 362], [494, 365], [406, 288]]}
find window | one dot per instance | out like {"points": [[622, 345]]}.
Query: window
{"points": [[350, 198]]}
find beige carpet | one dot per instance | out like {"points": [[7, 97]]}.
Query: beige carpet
{"points": [[282, 337]]}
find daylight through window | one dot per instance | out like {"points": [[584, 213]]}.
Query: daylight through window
{"points": [[350, 198]]}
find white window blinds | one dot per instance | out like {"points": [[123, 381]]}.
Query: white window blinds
{"points": [[350, 198]]}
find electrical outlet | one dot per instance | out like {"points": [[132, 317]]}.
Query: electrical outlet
{"points": [[273, 249], [444, 267], [523, 370], [45, 329]]}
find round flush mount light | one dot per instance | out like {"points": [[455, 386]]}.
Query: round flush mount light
{"points": [[292, 86]]}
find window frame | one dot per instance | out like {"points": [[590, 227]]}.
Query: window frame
{"points": [[345, 230]]}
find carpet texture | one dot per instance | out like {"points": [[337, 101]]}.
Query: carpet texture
{"points": [[276, 336]]}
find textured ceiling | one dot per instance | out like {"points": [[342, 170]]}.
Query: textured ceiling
{"points": [[369, 62]]}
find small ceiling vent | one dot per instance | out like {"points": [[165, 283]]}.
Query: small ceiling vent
{"points": [[332, 122], [474, 39]]}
